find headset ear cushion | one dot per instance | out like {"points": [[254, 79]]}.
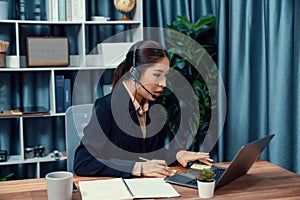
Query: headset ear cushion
{"points": [[135, 75]]}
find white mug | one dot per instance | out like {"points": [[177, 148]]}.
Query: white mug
{"points": [[59, 185], [3, 10]]}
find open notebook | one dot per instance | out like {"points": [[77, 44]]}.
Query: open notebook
{"points": [[118, 188]]}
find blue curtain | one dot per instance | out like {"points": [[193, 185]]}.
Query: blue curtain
{"points": [[258, 57], [166, 10]]}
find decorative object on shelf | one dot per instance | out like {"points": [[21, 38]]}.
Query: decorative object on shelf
{"points": [[29, 152], [3, 155], [56, 155], [3, 10], [21, 9], [5, 113], [100, 18], [206, 183], [3, 48], [124, 6], [39, 151], [47, 51]]}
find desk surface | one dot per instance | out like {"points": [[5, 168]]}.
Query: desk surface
{"points": [[263, 181]]}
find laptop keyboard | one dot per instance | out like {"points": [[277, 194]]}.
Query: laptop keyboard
{"points": [[218, 171]]}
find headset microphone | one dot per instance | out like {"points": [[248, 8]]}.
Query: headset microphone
{"points": [[135, 75], [152, 95]]}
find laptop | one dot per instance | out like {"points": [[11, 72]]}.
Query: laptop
{"points": [[239, 166]]}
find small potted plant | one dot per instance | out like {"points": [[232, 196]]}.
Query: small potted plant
{"points": [[206, 183]]}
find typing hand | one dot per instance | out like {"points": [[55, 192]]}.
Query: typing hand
{"points": [[156, 168], [183, 157]]}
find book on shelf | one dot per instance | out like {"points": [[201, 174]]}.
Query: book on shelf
{"points": [[61, 10], [54, 10], [134, 188], [65, 10], [67, 94], [59, 93], [75, 10], [63, 95], [49, 10], [77, 7], [82, 11], [69, 10]]}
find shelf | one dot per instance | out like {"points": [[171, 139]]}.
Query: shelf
{"points": [[34, 115], [92, 61], [85, 79], [113, 22], [8, 21], [16, 159], [117, 22], [25, 69], [44, 115], [42, 22], [47, 158]]}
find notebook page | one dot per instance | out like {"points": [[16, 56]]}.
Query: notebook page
{"points": [[104, 189], [150, 188]]}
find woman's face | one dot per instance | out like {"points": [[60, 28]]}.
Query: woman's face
{"points": [[154, 79]]}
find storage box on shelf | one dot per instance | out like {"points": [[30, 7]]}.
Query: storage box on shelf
{"points": [[21, 85]]}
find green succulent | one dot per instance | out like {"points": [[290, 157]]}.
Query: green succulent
{"points": [[206, 175]]}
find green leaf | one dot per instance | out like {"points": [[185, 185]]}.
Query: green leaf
{"points": [[185, 22], [208, 20], [5, 178]]}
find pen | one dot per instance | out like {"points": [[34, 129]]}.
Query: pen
{"points": [[144, 159]]}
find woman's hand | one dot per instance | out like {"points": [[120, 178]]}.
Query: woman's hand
{"points": [[183, 157], [156, 168]]}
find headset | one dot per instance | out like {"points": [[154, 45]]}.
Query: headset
{"points": [[135, 74]]}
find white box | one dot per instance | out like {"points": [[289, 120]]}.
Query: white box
{"points": [[113, 53]]}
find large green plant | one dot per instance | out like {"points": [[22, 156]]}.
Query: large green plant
{"points": [[202, 31]]}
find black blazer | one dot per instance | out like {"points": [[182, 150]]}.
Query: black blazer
{"points": [[113, 141]]}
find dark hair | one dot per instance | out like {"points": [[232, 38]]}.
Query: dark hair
{"points": [[146, 52]]}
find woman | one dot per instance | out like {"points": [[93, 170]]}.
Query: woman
{"points": [[125, 136]]}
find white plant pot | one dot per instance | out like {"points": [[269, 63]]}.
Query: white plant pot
{"points": [[206, 189]]}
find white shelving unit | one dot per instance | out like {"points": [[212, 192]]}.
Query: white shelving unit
{"points": [[18, 132]]}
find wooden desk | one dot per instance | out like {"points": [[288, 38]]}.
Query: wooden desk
{"points": [[263, 181]]}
